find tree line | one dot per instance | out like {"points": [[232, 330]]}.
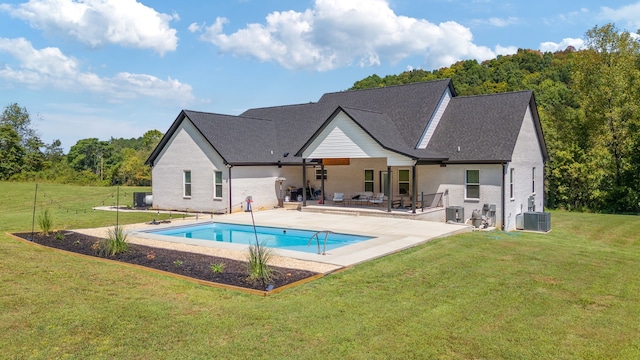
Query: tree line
{"points": [[25, 157], [588, 105]]}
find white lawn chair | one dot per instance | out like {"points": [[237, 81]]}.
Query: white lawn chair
{"points": [[338, 197], [377, 200]]}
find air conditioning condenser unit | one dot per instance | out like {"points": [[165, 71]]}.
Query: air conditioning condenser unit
{"points": [[537, 221]]}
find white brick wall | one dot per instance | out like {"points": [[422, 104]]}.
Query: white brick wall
{"points": [[187, 150], [451, 180], [526, 156]]}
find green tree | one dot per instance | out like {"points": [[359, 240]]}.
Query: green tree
{"points": [[11, 153], [19, 119], [607, 80], [54, 151], [150, 140], [91, 155], [132, 170]]}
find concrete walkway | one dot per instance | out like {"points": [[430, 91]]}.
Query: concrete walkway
{"points": [[390, 235]]}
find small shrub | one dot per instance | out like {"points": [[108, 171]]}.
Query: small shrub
{"points": [[217, 268], [115, 244], [258, 267], [59, 236], [177, 263], [45, 221]]}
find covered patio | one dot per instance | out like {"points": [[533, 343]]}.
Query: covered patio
{"points": [[363, 168]]}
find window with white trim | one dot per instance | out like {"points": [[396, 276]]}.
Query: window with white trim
{"points": [[368, 180], [186, 183], [533, 180], [512, 175], [472, 184], [217, 184], [404, 184]]}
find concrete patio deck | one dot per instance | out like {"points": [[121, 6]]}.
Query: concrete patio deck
{"points": [[389, 235]]}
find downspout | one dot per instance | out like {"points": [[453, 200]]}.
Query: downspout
{"points": [[414, 189], [388, 189], [304, 182], [544, 185], [322, 181], [502, 190], [230, 198]]}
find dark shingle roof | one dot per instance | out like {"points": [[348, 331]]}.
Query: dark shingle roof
{"points": [[294, 124], [239, 139], [409, 106], [383, 130], [485, 127]]}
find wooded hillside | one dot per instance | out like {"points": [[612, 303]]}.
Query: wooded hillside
{"points": [[24, 157], [588, 105]]}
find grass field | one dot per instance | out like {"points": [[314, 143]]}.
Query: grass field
{"points": [[572, 293]]}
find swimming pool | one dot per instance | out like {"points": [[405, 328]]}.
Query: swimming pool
{"points": [[277, 238]]}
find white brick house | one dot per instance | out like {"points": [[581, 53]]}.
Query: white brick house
{"points": [[476, 150]]}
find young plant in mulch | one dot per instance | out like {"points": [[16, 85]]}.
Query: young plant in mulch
{"points": [[217, 268], [117, 242], [259, 256], [45, 221], [258, 264]]}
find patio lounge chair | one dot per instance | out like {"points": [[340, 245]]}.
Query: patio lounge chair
{"points": [[377, 200], [338, 197], [361, 198]]}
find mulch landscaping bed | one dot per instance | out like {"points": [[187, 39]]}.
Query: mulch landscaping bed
{"points": [[193, 265]]}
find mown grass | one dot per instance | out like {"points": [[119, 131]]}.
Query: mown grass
{"points": [[70, 206], [572, 293]]}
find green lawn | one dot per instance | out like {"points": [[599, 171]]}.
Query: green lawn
{"points": [[572, 293]]}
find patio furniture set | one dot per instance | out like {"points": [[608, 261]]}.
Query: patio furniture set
{"points": [[367, 198], [364, 198]]}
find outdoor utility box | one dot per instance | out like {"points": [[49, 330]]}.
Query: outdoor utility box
{"points": [[537, 221], [519, 222], [455, 214], [139, 200]]}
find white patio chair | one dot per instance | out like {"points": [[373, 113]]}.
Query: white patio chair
{"points": [[378, 199], [338, 197]]}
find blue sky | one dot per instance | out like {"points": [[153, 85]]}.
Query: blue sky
{"points": [[117, 68]]}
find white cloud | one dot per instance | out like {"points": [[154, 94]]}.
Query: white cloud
{"points": [[339, 33], [629, 13], [502, 22], [497, 22], [97, 22], [573, 17], [506, 50], [562, 45], [50, 68]]}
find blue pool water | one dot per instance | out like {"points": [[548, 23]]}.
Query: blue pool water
{"points": [[278, 238]]}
